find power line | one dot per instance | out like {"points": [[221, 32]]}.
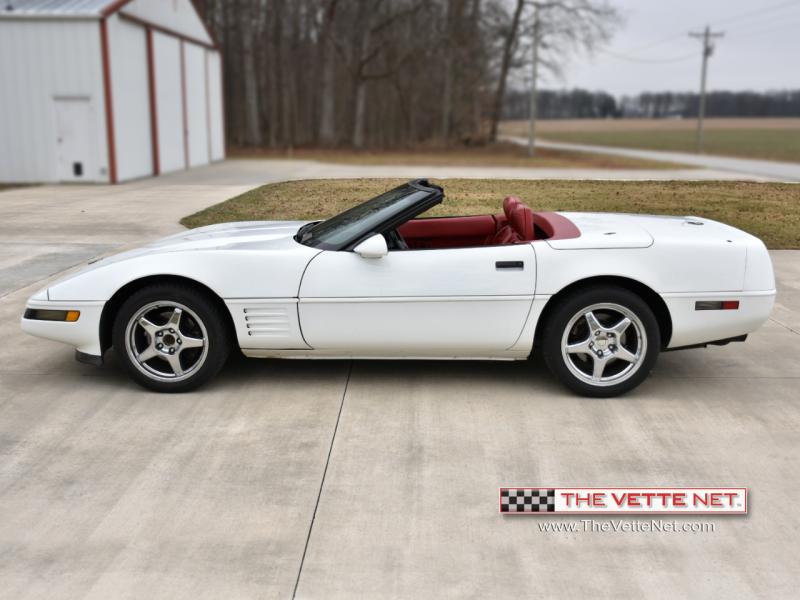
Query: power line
{"points": [[777, 27], [707, 36], [761, 23], [650, 60], [759, 11], [730, 19]]}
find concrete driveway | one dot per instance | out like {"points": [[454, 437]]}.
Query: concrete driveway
{"points": [[364, 479]]}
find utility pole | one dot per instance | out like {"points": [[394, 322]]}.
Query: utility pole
{"points": [[708, 49], [534, 78]]}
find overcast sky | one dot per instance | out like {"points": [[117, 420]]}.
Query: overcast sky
{"points": [[760, 50]]}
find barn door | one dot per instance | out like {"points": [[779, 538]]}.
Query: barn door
{"points": [[73, 139]]}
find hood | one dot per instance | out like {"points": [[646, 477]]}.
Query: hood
{"points": [[246, 235], [241, 235], [620, 230]]}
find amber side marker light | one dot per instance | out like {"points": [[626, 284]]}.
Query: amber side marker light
{"points": [[717, 305], [41, 314]]}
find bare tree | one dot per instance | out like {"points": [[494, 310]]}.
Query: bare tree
{"points": [[509, 42], [376, 73], [327, 96], [553, 30]]}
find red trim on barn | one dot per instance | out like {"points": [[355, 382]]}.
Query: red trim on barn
{"points": [[183, 103], [151, 80], [120, 4], [208, 107], [202, 16], [224, 115], [114, 7], [109, 103], [166, 30]]}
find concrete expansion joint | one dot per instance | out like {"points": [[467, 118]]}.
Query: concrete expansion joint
{"points": [[322, 482]]}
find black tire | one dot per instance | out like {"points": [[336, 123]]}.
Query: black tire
{"points": [[571, 313], [200, 318]]}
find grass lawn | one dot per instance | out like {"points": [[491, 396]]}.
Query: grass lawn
{"points": [[502, 154], [770, 211], [767, 144]]}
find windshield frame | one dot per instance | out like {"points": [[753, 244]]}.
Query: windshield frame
{"points": [[431, 196]]}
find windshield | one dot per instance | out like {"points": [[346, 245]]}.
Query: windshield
{"points": [[362, 220]]}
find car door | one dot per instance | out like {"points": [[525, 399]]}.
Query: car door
{"points": [[438, 302]]}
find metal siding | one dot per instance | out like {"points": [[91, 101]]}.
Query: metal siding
{"points": [[168, 100], [197, 116], [55, 8], [131, 102], [40, 60], [215, 106]]}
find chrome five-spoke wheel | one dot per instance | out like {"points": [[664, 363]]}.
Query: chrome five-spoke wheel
{"points": [[166, 340], [172, 337], [601, 340], [604, 344]]}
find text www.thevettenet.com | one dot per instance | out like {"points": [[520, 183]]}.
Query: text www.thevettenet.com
{"points": [[620, 526]]}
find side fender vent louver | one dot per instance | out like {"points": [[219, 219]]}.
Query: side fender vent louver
{"points": [[267, 321]]}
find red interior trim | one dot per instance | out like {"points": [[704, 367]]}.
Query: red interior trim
{"points": [[183, 104], [522, 223], [448, 232], [106, 59], [555, 226], [487, 230], [151, 79]]}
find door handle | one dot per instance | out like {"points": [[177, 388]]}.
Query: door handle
{"points": [[509, 264]]}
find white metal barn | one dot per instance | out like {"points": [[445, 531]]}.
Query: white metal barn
{"points": [[106, 90]]}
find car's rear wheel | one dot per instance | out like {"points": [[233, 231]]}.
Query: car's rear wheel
{"points": [[601, 341], [171, 338]]}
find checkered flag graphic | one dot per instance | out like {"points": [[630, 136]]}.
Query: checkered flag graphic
{"points": [[526, 500]]}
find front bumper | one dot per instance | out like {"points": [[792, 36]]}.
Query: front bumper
{"points": [[83, 334]]}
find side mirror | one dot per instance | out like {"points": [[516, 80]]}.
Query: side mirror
{"points": [[372, 247]]}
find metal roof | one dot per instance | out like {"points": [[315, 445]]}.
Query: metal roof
{"points": [[53, 8]]}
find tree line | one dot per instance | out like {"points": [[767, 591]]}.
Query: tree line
{"points": [[386, 73], [581, 104], [352, 72]]}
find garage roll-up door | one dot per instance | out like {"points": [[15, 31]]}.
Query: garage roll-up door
{"points": [[169, 101], [196, 106]]}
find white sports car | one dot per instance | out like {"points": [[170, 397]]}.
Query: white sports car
{"points": [[599, 295]]}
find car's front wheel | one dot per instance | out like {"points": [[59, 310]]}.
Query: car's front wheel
{"points": [[601, 341], [171, 338]]}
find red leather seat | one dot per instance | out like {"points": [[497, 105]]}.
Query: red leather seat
{"points": [[505, 235], [522, 223], [518, 225], [509, 204]]}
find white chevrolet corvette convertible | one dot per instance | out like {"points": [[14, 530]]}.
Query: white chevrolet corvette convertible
{"points": [[599, 295]]}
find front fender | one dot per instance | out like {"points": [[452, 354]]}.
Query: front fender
{"points": [[228, 273]]}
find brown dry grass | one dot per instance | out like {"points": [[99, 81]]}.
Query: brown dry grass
{"points": [[770, 211], [502, 154], [766, 139], [612, 125]]}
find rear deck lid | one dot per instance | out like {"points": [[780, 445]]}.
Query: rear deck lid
{"points": [[604, 230]]}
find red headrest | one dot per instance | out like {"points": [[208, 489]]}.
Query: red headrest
{"points": [[509, 204], [522, 222]]}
